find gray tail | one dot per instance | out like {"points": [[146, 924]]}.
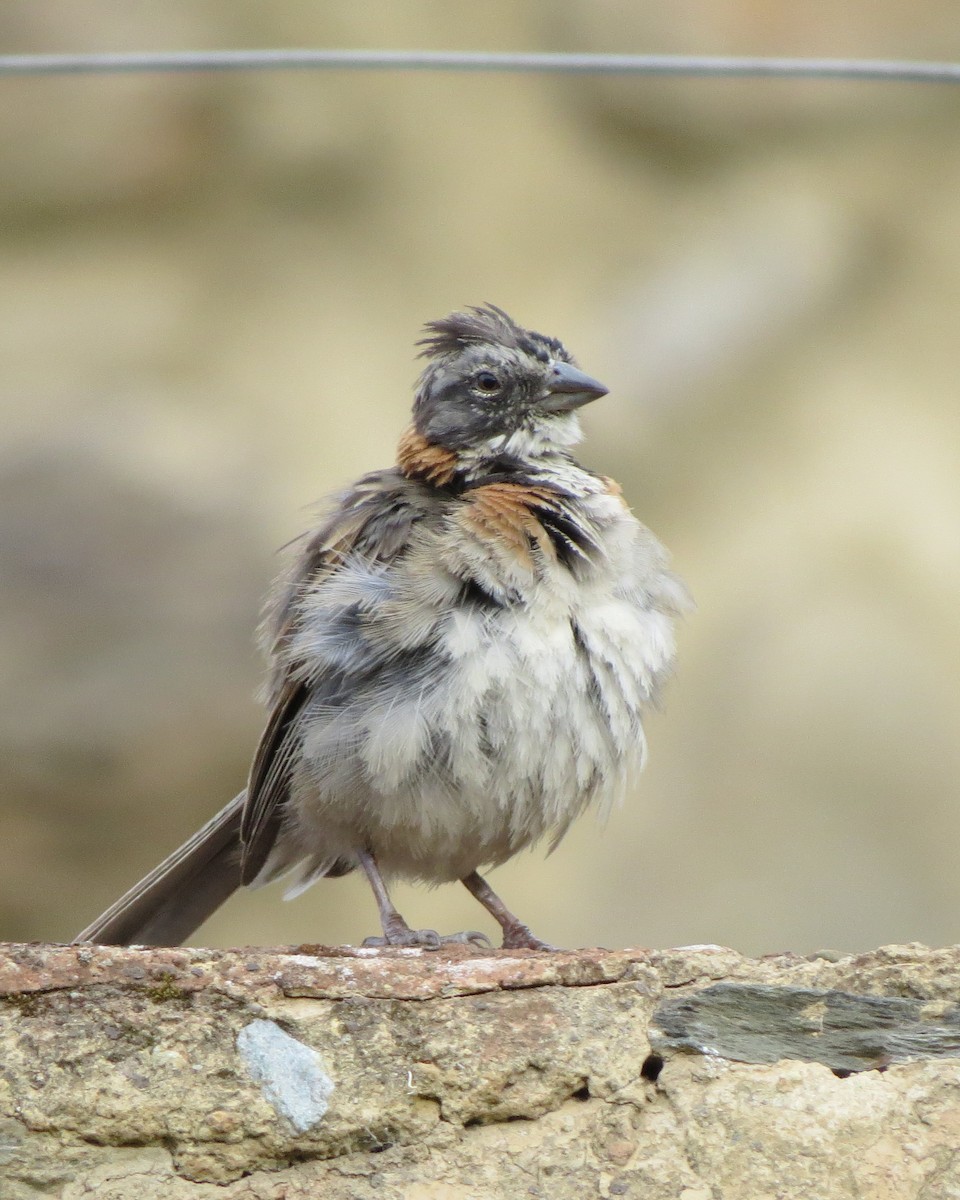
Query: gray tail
{"points": [[167, 905]]}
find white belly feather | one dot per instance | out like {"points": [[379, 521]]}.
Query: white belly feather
{"points": [[516, 720]]}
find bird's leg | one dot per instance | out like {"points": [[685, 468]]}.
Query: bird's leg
{"points": [[516, 935], [396, 932]]}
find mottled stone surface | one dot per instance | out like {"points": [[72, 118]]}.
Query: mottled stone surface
{"points": [[269, 1073]]}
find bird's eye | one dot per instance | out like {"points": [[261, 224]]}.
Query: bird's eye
{"points": [[486, 382]]}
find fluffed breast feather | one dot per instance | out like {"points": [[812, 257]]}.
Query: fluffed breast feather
{"points": [[449, 641], [503, 517], [390, 533]]}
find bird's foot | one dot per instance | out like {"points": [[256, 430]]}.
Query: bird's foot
{"points": [[519, 937], [428, 939], [469, 937]]}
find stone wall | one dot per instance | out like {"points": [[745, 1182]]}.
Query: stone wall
{"points": [[689, 1074]]}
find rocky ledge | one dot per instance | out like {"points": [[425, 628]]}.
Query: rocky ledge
{"points": [[264, 1074]]}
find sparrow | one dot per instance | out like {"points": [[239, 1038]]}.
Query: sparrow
{"points": [[461, 656]]}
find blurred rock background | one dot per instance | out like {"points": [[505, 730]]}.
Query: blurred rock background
{"points": [[211, 285]]}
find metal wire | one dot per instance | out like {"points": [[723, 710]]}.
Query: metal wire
{"points": [[427, 60]]}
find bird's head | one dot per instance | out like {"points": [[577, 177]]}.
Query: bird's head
{"points": [[492, 388]]}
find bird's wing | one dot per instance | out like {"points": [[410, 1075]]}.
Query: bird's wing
{"points": [[371, 524]]}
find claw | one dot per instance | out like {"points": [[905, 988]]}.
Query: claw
{"points": [[520, 937], [429, 939], [469, 937]]}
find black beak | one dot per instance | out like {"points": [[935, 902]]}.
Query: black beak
{"points": [[568, 388]]}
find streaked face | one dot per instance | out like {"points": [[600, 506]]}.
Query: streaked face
{"points": [[490, 380]]}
